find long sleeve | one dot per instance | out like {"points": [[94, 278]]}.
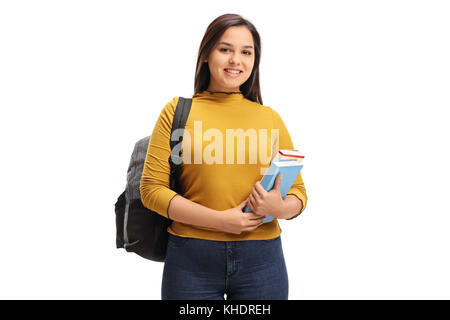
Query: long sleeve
{"points": [[155, 192], [285, 142]]}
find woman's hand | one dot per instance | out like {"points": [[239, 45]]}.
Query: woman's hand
{"points": [[236, 221], [267, 203]]}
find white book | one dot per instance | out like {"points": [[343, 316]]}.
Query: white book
{"points": [[289, 155]]}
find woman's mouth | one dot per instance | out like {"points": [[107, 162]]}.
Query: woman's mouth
{"points": [[233, 73]]}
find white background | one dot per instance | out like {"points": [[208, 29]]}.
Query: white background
{"points": [[363, 87]]}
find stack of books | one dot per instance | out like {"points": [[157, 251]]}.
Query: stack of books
{"points": [[289, 164]]}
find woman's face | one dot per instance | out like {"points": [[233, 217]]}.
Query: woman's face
{"points": [[234, 50]]}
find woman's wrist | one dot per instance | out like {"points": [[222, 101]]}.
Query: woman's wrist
{"points": [[291, 207], [218, 220]]}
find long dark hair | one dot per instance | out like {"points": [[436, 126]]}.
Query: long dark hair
{"points": [[250, 89]]}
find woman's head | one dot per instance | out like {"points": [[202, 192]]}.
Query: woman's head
{"points": [[230, 42]]}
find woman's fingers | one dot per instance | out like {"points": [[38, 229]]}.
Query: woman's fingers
{"points": [[242, 205], [252, 227], [255, 221], [251, 200], [254, 216]]}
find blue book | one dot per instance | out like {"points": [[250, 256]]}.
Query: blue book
{"points": [[290, 171]]}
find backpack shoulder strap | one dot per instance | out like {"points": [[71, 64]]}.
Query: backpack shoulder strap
{"points": [[179, 122], [180, 117]]}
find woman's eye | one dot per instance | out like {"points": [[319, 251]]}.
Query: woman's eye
{"points": [[246, 52]]}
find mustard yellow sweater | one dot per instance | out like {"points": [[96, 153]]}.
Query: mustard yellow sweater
{"points": [[224, 153]]}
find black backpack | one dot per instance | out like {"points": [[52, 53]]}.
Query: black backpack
{"points": [[138, 229]]}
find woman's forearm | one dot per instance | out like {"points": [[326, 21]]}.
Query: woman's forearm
{"points": [[292, 207], [186, 211]]}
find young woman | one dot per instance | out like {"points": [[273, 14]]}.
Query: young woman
{"points": [[215, 249]]}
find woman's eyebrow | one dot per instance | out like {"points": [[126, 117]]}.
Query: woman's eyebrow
{"points": [[229, 44]]}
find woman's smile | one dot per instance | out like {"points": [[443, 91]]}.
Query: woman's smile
{"points": [[232, 73]]}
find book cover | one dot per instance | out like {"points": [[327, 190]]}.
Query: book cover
{"points": [[291, 155], [290, 171]]}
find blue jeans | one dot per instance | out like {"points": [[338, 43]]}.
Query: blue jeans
{"points": [[201, 269]]}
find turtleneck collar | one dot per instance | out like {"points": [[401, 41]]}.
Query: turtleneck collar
{"points": [[219, 96]]}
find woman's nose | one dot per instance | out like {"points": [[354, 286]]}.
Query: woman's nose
{"points": [[234, 59]]}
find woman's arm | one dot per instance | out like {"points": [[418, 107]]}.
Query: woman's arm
{"points": [[292, 207], [233, 220], [298, 188], [186, 211], [154, 185]]}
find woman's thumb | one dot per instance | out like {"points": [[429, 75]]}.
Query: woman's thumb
{"points": [[243, 203], [278, 181]]}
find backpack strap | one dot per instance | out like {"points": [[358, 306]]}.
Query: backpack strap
{"points": [[180, 118], [179, 122]]}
